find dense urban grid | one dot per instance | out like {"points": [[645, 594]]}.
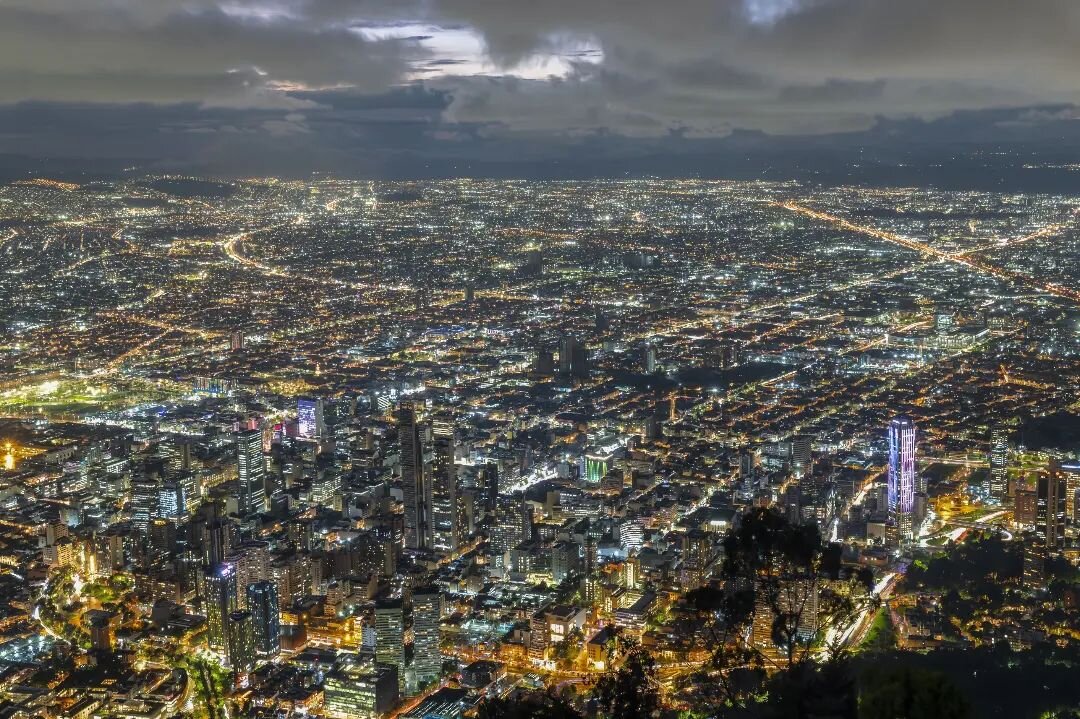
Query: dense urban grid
{"points": [[441, 449]]}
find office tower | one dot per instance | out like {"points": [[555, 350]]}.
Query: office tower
{"points": [[445, 492], [262, 599], [144, 501], [360, 689], [191, 485], [511, 525], [240, 642], [565, 561], [160, 543], [801, 458], [171, 502], [390, 636], [1050, 509], [413, 481], [545, 362], [252, 561], [326, 487], [177, 456], [1034, 576], [649, 359], [999, 460], [251, 472], [221, 601], [237, 341], [901, 479], [427, 614], [309, 419], [589, 568], [490, 486], [573, 358], [567, 349]]}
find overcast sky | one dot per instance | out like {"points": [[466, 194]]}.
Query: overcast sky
{"points": [[296, 85]]}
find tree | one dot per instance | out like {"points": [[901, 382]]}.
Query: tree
{"points": [[907, 693], [532, 706], [567, 651], [779, 581], [631, 691]]}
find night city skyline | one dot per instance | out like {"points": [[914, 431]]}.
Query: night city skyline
{"points": [[607, 359]]}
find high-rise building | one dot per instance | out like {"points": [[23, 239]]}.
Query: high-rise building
{"points": [[413, 480], [326, 487], [1050, 509], [446, 514], [573, 358], [901, 479], [240, 642], [390, 636], [221, 601], [144, 501], [427, 614], [999, 460], [1034, 576], [359, 688], [649, 359], [262, 598], [545, 362], [309, 419], [511, 525], [251, 472], [252, 561], [801, 457], [172, 502]]}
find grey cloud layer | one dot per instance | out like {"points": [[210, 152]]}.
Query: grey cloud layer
{"points": [[698, 66]]}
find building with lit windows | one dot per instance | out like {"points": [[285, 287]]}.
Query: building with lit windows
{"points": [[999, 460], [901, 479], [390, 636], [359, 688], [221, 601], [251, 472], [262, 599], [427, 615]]}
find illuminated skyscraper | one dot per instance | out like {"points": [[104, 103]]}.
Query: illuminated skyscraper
{"points": [[221, 601], [309, 419], [901, 483], [1050, 509], [446, 512], [390, 636], [251, 472], [999, 460], [801, 457], [262, 598], [240, 642], [427, 613], [413, 480]]}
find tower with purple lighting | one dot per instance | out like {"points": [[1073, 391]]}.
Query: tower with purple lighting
{"points": [[902, 478]]}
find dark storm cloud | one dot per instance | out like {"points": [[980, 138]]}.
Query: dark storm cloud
{"points": [[326, 81]]}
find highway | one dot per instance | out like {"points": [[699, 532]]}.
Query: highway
{"points": [[962, 259]]}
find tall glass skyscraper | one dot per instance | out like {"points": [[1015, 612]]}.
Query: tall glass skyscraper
{"points": [[902, 477], [251, 472], [309, 418], [262, 600], [220, 603], [414, 482]]}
